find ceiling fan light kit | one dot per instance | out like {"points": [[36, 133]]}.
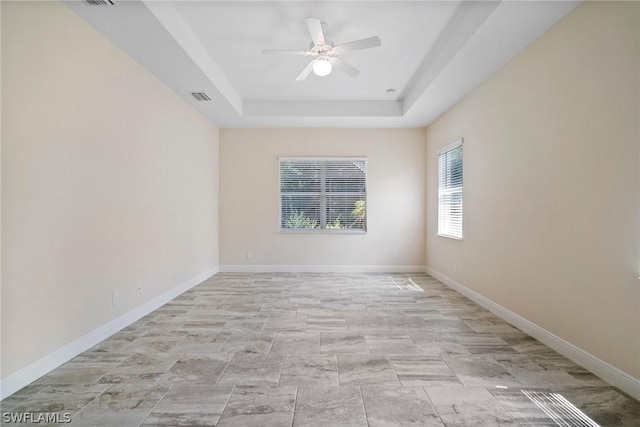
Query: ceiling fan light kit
{"points": [[322, 67], [325, 53]]}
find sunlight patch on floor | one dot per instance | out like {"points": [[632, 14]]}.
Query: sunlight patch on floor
{"points": [[559, 409]]}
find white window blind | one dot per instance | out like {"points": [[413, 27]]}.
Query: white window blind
{"points": [[450, 191], [319, 194]]}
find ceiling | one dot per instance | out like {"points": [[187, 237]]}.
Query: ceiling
{"points": [[433, 53]]}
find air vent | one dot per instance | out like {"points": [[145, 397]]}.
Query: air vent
{"points": [[100, 2], [201, 96]]}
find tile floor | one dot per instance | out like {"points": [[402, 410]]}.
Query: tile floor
{"points": [[319, 350]]}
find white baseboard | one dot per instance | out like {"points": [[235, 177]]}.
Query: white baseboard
{"points": [[322, 268], [599, 367], [27, 375]]}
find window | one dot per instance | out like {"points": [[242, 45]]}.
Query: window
{"points": [[450, 190], [323, 194]]}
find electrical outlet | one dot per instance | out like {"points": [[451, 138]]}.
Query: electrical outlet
{"points": [[249, 255], [139, 289], [115, 298], [395, 254], [455, 268]]}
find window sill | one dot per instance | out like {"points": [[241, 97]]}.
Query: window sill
{"points": [[450, 237], [320, 231]]}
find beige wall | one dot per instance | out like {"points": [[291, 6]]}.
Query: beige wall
{"points": [[1, 350], [249, 197], [109, 182], [551, 181]]}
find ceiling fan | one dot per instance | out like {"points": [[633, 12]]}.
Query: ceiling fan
{"points": [[325, 53]]}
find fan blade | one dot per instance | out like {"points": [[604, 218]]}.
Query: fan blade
{"points": [[315, 29], [305, 73], [358, 45], [287, 52], [349, 69]]}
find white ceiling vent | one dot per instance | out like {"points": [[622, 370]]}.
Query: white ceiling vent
{"points": [[100, 2], [201, 96]]}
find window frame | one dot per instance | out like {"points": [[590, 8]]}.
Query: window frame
{"points": [[449, 147], [323, 196]]}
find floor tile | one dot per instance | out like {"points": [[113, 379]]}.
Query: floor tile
{"points": [[286, 323], [406, 323], [529, 373], [468, 406], [437, 343], [480, 370], [397, 344], [296, 343], [326, 323], [148, 378], [190, 405], [120, 406], [398, 406], [196, 368], [343, 343], [249, 342], [556, 362], [525, 344], [521, 408], [605, 405], [154, 344], [248, 324], [310, 370], [450, 325], [137, 325], [415, 370], [116, 342], [252, 370], [202, 342], [329, 406], [87, 368], [355, 369], [367, 323], [145, 363], [305, 300], [259, 407], [478, 343], [53, 398], [490, 326], [253, 339]]}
